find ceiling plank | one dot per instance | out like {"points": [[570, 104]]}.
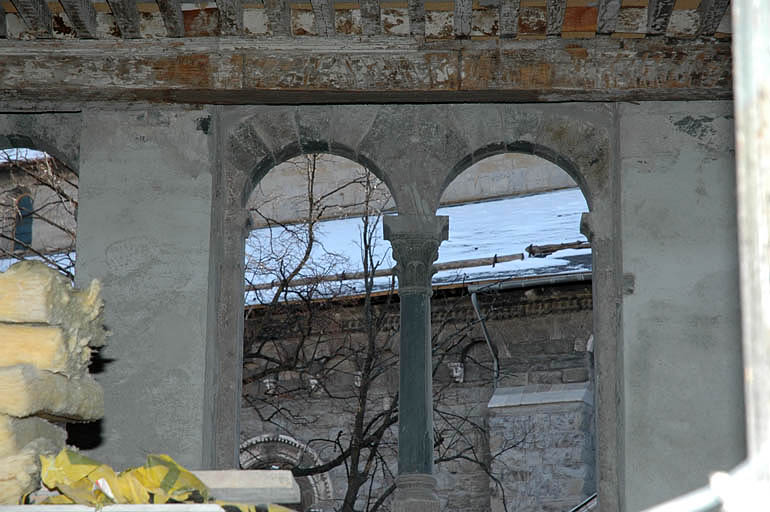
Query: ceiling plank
{"points": [[278, 17], [555, 10], [82, 15], [417, 18], [230, 17], [171, 12], [608, 16], [36, 15], [463, 18], [658, 16], [127, 17], [711, 14], [370, 17], [509, 18], [324, 17]]}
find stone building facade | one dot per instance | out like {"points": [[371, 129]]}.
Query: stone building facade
{"points": [[536, 417]]}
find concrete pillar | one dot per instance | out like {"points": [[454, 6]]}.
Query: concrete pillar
{"points": [[144, 231], [415, 241]]}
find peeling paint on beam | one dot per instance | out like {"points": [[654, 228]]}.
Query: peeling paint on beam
{"points": [[241, 70], [82, 15], [608, 16], [127, 17], [370, 17], [658, 16], [509, 18], [171, 11], [417, 18], [463, 18], [711, 13], [324, 16], [230, 17], [555, 16], [279, 17], [36, 15]]}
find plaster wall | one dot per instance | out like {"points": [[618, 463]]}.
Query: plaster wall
{"points": [[682, 378], [144, 231]]}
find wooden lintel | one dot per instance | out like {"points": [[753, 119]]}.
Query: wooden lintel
{"points": [[126, 17], [82, 15], [36, 15], [230, 17], [711, 13], [607, 18], [171, 12], [278, 17], [509, 18], [370, 17], [244, 70], [463, 18], [658, 16], [555, 10], [323, 10]]}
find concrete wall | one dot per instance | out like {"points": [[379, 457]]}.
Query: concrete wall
{"points": [[145, 203], [683, 395]]}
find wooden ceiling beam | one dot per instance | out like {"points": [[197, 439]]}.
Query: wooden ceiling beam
{"points": [[711, 14], [555, 10], [417, 18], [607, 18], [370, 17], [126, 17], [171, 12], [658, 16], [324, 17], [278, 17], [230, 17], [509, 18], [463, 18], [36, 16], [82, 15]]}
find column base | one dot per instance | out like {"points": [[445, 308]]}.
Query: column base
{"points": [[415, 493]]}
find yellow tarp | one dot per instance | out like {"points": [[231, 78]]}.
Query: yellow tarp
{"points": [[85, 481]]}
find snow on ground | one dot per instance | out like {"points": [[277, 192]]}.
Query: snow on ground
{"points": [[476, 230]]}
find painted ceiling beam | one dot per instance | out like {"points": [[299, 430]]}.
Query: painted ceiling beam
{"points": [[230, 17], [658, 16], [417, 18], [370, 17], [339, 70], [555, 10], [171, 12], [711, 14], [463, 18], [278, 17], [324, 16], [36, 16], [509, 18], [82, 15], [607, 18], [126, 17]]}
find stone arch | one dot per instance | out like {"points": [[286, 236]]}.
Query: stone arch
{"points": [[55, 134], [285, 452]]}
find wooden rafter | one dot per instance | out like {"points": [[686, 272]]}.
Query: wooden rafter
{"points": [[36, 15], [370, 17], [171, 12], [324, 16], [658, 16], [417, 18], [555, 10], [278, 17], [463, 18], [230, 17], [2, 22], [608, 16], [509, 18], [127, 17], [711, 14], [83, 17]]}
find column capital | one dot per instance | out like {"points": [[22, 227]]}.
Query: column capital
{"points": [[415, 240]]}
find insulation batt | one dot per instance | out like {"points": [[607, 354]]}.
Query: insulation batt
{"points": [[20, 472], [29, 391], [16, 433], [44, 347]]}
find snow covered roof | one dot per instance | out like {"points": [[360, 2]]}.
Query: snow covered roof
{"points": [[476, 230]]}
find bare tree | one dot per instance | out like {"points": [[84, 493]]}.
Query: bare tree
{"points": [[38, 195], [318, 344]]}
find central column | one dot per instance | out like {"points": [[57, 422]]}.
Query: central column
{"points": [[415, 241]]}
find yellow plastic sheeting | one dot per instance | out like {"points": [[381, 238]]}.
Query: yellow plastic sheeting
{"points": [[160, 480]]}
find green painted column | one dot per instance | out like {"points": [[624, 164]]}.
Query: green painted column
{"points": [[415, 241]]}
